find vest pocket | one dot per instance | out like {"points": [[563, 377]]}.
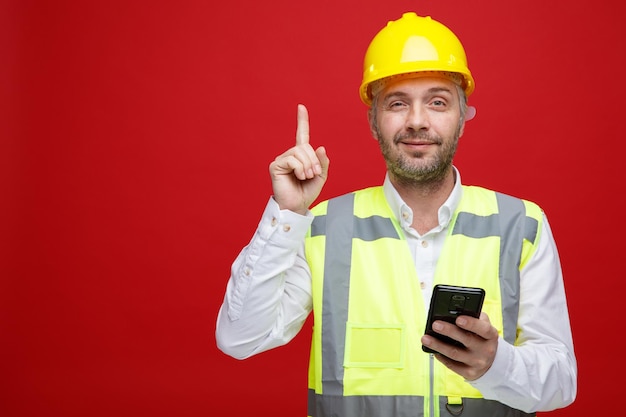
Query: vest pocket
{"points": [[375, 345]]}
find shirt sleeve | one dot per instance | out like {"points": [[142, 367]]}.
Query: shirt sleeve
{"points": [[268, 295], [539, 373]]}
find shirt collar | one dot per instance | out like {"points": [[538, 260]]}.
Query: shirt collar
{"points": [[403, 212]]}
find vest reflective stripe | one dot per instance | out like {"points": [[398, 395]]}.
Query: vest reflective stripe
{"points": [[338, 226], [401, 406], [504, 226], [362, 406], [337, 282], [372, 228]]}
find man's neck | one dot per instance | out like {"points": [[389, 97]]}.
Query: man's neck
{"points": [[425, 199]]}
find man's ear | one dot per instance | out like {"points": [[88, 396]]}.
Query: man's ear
{"points": [[470, 113]]}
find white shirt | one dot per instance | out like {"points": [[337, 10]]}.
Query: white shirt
{"points": [[268, 298]]}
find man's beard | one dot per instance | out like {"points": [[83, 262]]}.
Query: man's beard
{"points": [[412, 169]]}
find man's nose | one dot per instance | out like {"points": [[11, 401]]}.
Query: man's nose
{"points": [[417, 118]]}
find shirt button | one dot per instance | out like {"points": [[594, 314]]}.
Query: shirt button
{"points": [[424, 244], [286, 228], [247, 272], [422, 285], [405, 215], [274, 221]]}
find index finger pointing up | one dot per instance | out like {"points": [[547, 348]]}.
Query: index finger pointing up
{"points": [[302, 131]]}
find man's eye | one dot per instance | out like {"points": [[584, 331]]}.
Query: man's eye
{"points": [[439, 103]]}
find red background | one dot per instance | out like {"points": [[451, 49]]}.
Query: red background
{"points": [[135, 143]]}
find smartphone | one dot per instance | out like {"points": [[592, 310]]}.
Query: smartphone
{"points": [[447, 303]]}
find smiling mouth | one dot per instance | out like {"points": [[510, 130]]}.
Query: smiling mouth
{"points": [[416, 139], [420, 144]]}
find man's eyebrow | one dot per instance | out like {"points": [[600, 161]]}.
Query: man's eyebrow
{"points": [[398, 93], [401, 94], [435, 90]]}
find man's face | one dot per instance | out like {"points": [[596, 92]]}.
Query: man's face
{"points": [[418, 127]]}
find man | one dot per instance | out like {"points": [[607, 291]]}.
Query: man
{"points": [[365, 263]]}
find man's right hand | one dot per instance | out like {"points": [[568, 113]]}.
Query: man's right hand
{"points": [[299, 174]]}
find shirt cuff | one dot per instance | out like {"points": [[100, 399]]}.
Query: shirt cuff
{"points": [[284, 227]]}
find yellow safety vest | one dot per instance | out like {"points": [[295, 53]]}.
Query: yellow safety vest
{"points": [[369, 315]]}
